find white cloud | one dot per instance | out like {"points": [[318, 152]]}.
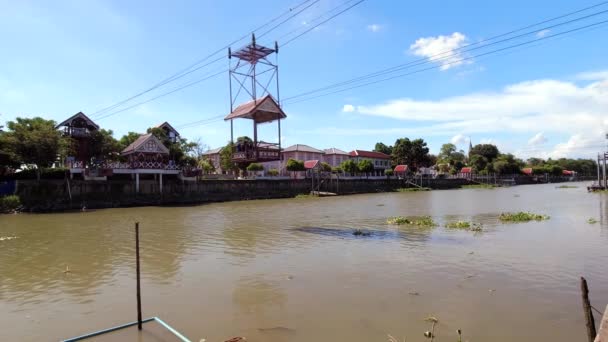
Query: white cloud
{"points": [[537, 139], [593, 75], [577, 146], [542, 33], [374, 27], [459, 139], [560, 108], [348, 108], [556, 106], [488, 141], [440, 49]]}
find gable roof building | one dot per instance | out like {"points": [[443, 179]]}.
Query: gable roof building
{"points": [[146, 143], [334, 156], [171, 132]]}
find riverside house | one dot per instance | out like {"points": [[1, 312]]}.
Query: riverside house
{"points": [[380, 160], [297, 152], [335, 157], [214, 157]]}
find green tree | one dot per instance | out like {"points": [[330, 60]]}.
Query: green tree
{"points": [[381, 147], [478, 163], [488, 151], [273, 172], [413, 153], [128, 139], [389, 172], [295, 165], [446, 152], [103, 146], [226, 162], [365, 166], [325, 167], [507, 164], [349, 166], [254, 167], [206, 166], [336, 169], [35, 141]]}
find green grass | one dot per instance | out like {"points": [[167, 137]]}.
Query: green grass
{"points": [[413, 189], [566, 187], [304, 196], [478, 186], [522, 217], [9, 203], [592, 221], [422, 221], [464, 225]]}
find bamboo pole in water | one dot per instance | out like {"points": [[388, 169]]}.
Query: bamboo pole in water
{"points": [[589, 321], [138, 277]]}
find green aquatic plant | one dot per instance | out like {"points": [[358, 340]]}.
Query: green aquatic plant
{"points": [[423, 221], [566, 187], [413, 189], [464, 225], [478, 186], [522, 217], [304, 196], [592, 221]]}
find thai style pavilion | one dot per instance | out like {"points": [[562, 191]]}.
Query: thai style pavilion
{"points": [[79, 127], [148, 155]]}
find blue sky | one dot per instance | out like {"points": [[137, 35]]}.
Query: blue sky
{"points": [[548, 99]]}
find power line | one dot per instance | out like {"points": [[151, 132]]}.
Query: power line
{"points": [[163, 94], [455, 61], [432, 58], [323, 22], [196, 123], [315, 19], [189, 70], [203, 122]]}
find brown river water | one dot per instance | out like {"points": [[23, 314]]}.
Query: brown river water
{"points": [[291, 270]]}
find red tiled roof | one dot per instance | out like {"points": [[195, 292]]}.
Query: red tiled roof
{"points": [[310, 164], [261, 110], [401, 168], [568, 173], [466, 170], [527, 171], [369, 154]]}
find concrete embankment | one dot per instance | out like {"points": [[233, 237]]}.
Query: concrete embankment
{"points": [[60, 195]]}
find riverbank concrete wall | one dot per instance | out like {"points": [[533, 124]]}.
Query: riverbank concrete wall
{"points": [[60, 195]]}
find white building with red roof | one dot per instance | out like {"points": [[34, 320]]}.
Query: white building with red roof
{"points": [[380, 160]]}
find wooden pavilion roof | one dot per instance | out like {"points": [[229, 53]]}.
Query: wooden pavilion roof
{"points": [[79, 115], [261, 110]]}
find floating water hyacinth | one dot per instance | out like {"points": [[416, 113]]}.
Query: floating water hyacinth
{"points": [[522, 217], [464, 225], [423, 221]]}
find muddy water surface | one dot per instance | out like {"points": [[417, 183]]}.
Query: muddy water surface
{"points": [[291, 270]]}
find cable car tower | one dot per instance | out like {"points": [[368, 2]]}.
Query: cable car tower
{"points": [[253, 75]]}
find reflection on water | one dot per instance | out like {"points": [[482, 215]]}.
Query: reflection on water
{"points": [[292, 270]]}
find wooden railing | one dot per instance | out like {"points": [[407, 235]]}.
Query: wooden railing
{"points": [[262, 152]]}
